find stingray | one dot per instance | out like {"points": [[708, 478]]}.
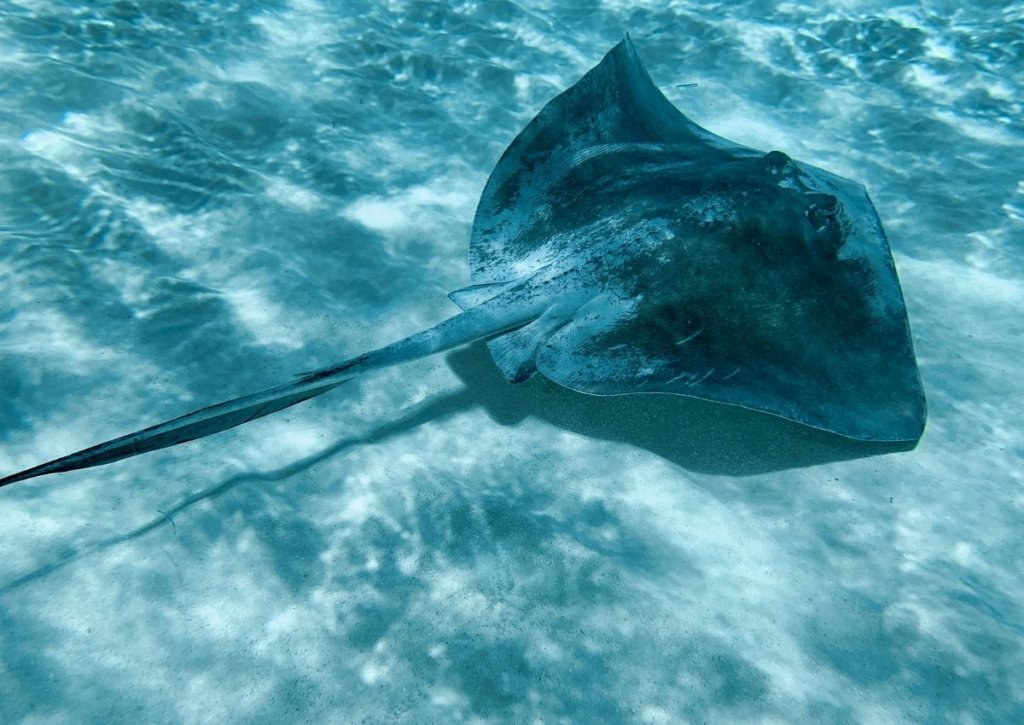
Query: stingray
{"points": [[618, 247]]}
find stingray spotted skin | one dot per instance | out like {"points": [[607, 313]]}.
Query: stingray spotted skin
{"points": [[620, 248]]}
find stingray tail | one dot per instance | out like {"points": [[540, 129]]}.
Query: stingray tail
{"points": [[471, 325]]}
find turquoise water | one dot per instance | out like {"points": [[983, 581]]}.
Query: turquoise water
{"points": [[198, 200]]}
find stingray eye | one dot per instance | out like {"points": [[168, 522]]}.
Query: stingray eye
{"points": [[776, 161], [822, 210]]}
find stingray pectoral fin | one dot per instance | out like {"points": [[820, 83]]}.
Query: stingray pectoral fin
{"points": [[198, 424], [473, 324], [865, 387]]}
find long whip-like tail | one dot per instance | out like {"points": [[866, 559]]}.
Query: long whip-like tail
{"points": [[478, 322]]}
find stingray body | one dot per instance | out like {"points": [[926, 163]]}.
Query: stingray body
{"points": [[620, 248]]}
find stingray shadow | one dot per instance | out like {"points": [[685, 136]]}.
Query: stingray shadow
{"points": [[432, 409], [699, 436]]}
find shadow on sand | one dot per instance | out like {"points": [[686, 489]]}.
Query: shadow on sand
{"points": [[699, 436], [696, 435]]}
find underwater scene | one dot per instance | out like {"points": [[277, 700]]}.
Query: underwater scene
{"points": [[506, 391]]}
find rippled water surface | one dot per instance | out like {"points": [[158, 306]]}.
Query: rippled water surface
{"points": [[200, 199]]}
